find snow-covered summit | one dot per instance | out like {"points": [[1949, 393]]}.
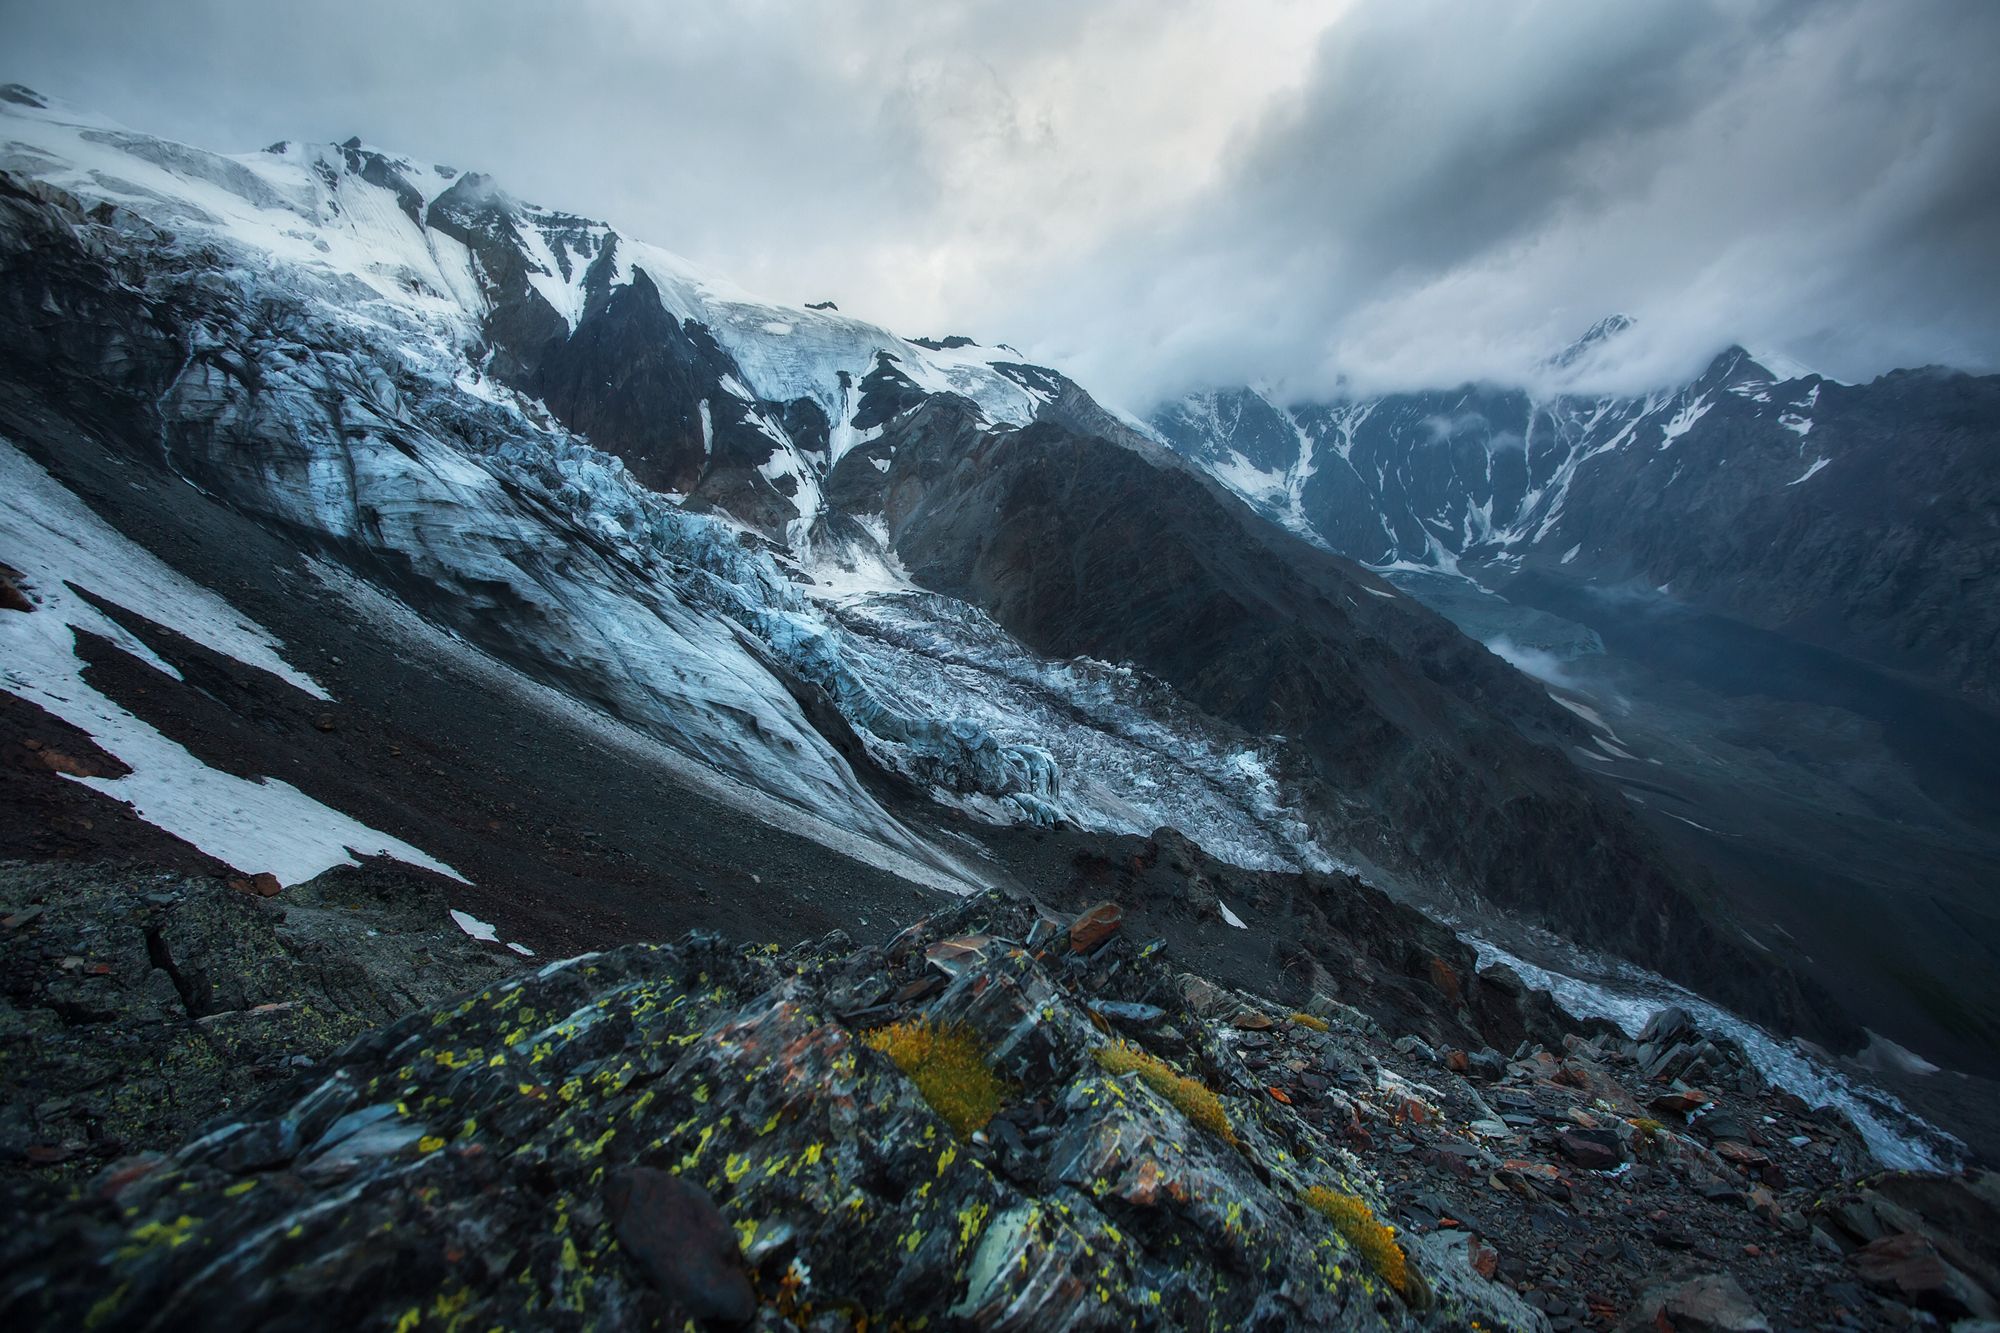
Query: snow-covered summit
{"points": [[361, 213]]}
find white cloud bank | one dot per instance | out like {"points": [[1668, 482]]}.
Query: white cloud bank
{"points": [[1162, 195]]}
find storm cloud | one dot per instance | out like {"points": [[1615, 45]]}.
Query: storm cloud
{"points": [[1160, 196]]}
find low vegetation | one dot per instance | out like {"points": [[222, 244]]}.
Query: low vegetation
{"points": [[1191, 1097], [1356, 1222], [948, 1063], [1306, 1020]]}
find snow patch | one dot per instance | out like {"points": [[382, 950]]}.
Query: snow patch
{"points": [[1684, 421], [1883, 1054], [1810, 472], [483, 931], [254, 825]]}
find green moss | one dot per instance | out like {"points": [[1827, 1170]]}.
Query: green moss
{"points": [[1192, 1098], [948, 1063], [1355, 1221]]}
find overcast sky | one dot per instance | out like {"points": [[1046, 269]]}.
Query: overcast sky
{"points": [[1159, 195]]}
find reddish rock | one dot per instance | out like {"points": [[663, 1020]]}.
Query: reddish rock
{"points": [[11, 596], [59, 761], [1458, 1062], [1252, 1021], [1911, 1267], [954, 955], [921, 989], [1447, 982], [1680, 1103], [1592, 1149], [1094, 925], [264, 884], [124, 1172], [1485, 1260]]}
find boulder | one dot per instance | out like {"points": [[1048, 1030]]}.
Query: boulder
{"points": [[1708, 1303], [1911, 1267], [673, 1231], [1592, 1149], [1667, 1026], [1094, 925]]}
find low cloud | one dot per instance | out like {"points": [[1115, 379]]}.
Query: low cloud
{"points": [[1161, 195]]}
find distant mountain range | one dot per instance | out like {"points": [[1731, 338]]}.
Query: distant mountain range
{"points": [[1856, 517]]}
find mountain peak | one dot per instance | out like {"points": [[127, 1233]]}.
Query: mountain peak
{"points": [[1594, 337]]}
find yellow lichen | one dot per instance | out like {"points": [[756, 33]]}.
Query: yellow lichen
{"points": [[1191, 1097], [948, 1065], [1306, 1020], [1355, 1221]]}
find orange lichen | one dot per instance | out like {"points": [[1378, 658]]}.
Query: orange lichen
{"points": [[1355, 1221], [948, 1063], [1189, 1096]]}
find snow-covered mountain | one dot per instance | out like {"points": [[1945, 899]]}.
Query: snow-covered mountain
{"points": [[633, 545], [409, 343], [1848, 515]]}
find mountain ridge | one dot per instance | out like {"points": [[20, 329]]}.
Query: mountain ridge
{"points": [[421, 409]]}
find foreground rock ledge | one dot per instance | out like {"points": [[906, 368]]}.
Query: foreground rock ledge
{"points": [[705, 1135], [694, 1132]]}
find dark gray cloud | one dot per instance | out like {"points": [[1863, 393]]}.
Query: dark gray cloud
{"points": [[1158, 195]]}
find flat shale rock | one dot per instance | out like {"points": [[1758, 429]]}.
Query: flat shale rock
{"points": [[662, 1134]]}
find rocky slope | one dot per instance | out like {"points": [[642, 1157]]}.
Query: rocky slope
{"points": [[1847, 516], [141, 1002], [732, 1135], [1420, 756], [772, 563]]}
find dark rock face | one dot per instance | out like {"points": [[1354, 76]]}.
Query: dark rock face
{"points": [[649, 388], [1887, 553], [137, 1005], [521, 324], [1882, 552], [695, 1133], [632, 379], [1428, 752], [704, 1133]]}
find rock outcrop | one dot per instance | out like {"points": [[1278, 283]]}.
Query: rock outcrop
{"points": [[735, 1136]]}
